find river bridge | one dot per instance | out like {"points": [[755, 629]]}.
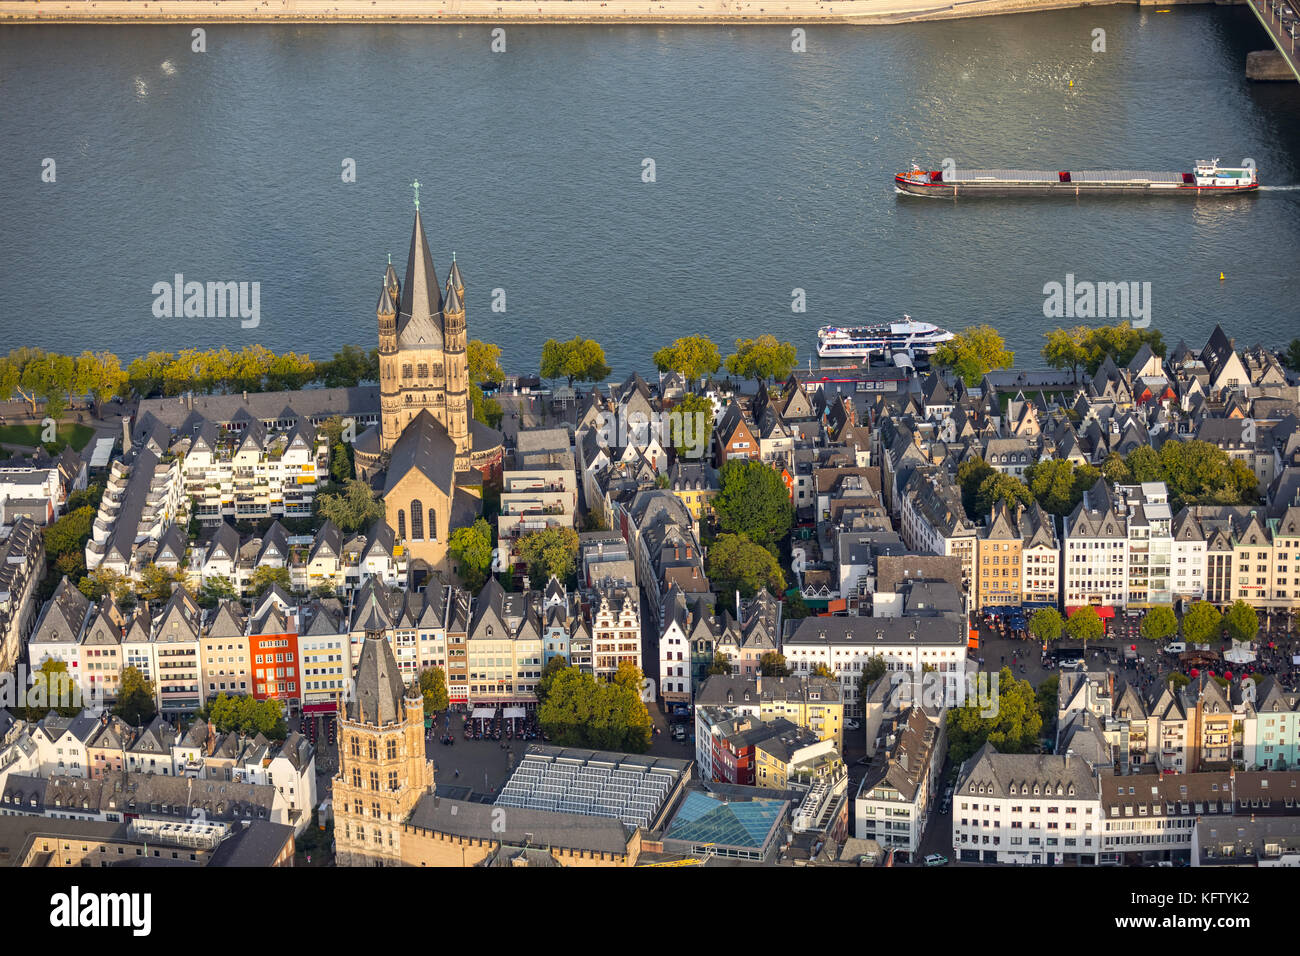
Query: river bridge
{"points": [[1280, 20]]}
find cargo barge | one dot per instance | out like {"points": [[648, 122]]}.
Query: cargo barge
{"points": [[1205, 179]]}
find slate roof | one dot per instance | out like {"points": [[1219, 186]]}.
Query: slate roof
{"points": [[379, 689], [423, 446]]}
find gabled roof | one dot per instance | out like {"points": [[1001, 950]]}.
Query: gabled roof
{"points": [[423, 446]]}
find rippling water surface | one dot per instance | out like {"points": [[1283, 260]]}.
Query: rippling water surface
{"points": [[773, 173]]}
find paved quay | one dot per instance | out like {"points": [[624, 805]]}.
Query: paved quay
{"points": [[531, 11]]}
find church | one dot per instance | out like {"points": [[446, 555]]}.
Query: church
{"points": [[428, 457]]}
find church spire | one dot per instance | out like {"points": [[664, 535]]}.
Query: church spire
{"points": [[421, 294], [453, 278]]}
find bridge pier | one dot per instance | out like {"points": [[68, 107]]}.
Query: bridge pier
{"points": [[1266, 65]]}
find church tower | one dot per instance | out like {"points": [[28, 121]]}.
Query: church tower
{"points": [[383, 769], [455, 361], [389, 399]]}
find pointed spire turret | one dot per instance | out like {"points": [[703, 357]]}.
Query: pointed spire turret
{"points": [[421, 300], [453, 278], [390, 280], [386, 304], [452, 303]]}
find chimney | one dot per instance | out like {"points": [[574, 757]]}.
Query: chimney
{"points": [[245, 396], [126, 434]]}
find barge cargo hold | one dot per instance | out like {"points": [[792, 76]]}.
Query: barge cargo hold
{"points": [[1206, 179]]}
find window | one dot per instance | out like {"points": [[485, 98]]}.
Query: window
{"points": [[417, 520], [401, 525], [433, 525]]}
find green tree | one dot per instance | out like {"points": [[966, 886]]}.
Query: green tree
{"points": [[484, 366], [215, 589], [1291, 357], [106, 581], [1241, 621], [354, 509], [737, 564], [245, 715], [753, 500], [433, 685], [342, 468], [554, 666], [156, 583], [483, 361], [1058, 484], [53, 688], [1178, 681], [694, 356], [690, 426], [1115, 470], [99, 375], [145, 374], [580, 711], [471, 548], [1143, 464], [350, 366], [1016, 725], [69, 533], [266, 577], [1065, 349], [577, 360], [874, 669], [49, 377], [772, 664], [1159, 624], [290, 371], [1001, 488], [1046, 624], [135, 699], [1047, 693], [973, 353], [551, 551], [762, 358], [972, 473], [1202, 623], [1085, 625], [1121, 342], [721, 664]]}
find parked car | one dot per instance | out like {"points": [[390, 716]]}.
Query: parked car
{"points": [[679, 732], [852, 724], [935, 859]]}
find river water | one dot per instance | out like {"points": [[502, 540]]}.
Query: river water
{"points": [[772, 172]]}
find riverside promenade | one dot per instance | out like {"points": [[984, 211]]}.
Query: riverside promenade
{"points": [[532, 11]]}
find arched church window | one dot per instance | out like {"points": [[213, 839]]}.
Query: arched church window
{"points": [[417, 520], [433, 525], [401, 525], [423, 371], [406, 371]]}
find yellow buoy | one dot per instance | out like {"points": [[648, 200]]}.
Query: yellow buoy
{"points": [[1072, 82], [1222, 277]]}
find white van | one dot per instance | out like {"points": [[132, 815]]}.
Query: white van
{"points": [[1175, 647]]}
